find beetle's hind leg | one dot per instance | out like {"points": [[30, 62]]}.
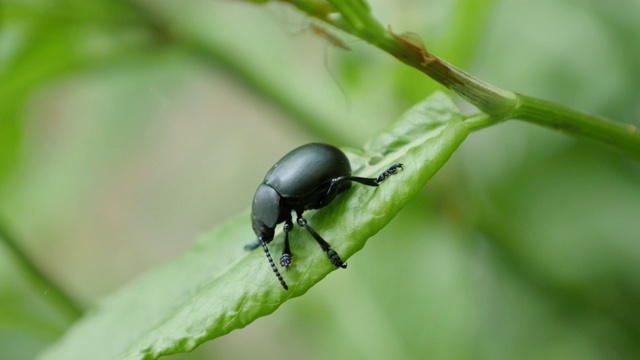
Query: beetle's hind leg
{"points": [[287, 257], [331, 254], [372, 181]]}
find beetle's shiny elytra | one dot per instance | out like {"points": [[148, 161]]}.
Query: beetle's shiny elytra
{"points": [[308, 177]]}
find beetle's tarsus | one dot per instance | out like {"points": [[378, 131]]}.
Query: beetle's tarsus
{"points": [[285, 260], [390, 171], [335, 259]]}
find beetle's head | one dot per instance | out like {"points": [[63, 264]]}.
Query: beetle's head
{"points": [[265, 211]]}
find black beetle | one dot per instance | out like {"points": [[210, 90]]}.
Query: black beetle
{"points": [[308, 177]]}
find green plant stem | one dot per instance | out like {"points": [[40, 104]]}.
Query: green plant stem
{"points": [[353, 17], [622, 137], [478, 121], [45, 285]]}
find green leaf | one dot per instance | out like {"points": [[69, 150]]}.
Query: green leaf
{"points": [[215, 287]]}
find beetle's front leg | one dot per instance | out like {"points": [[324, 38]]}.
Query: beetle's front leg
{"points": [[287, 257]]}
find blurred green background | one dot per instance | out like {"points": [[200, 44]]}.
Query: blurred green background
{"points": [[129, 127]]}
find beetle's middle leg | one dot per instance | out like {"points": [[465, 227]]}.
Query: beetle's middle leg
{"points": [[287, 257], [331, 254]]}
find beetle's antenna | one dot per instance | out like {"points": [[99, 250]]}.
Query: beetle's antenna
{"points": [[273, 265]]}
